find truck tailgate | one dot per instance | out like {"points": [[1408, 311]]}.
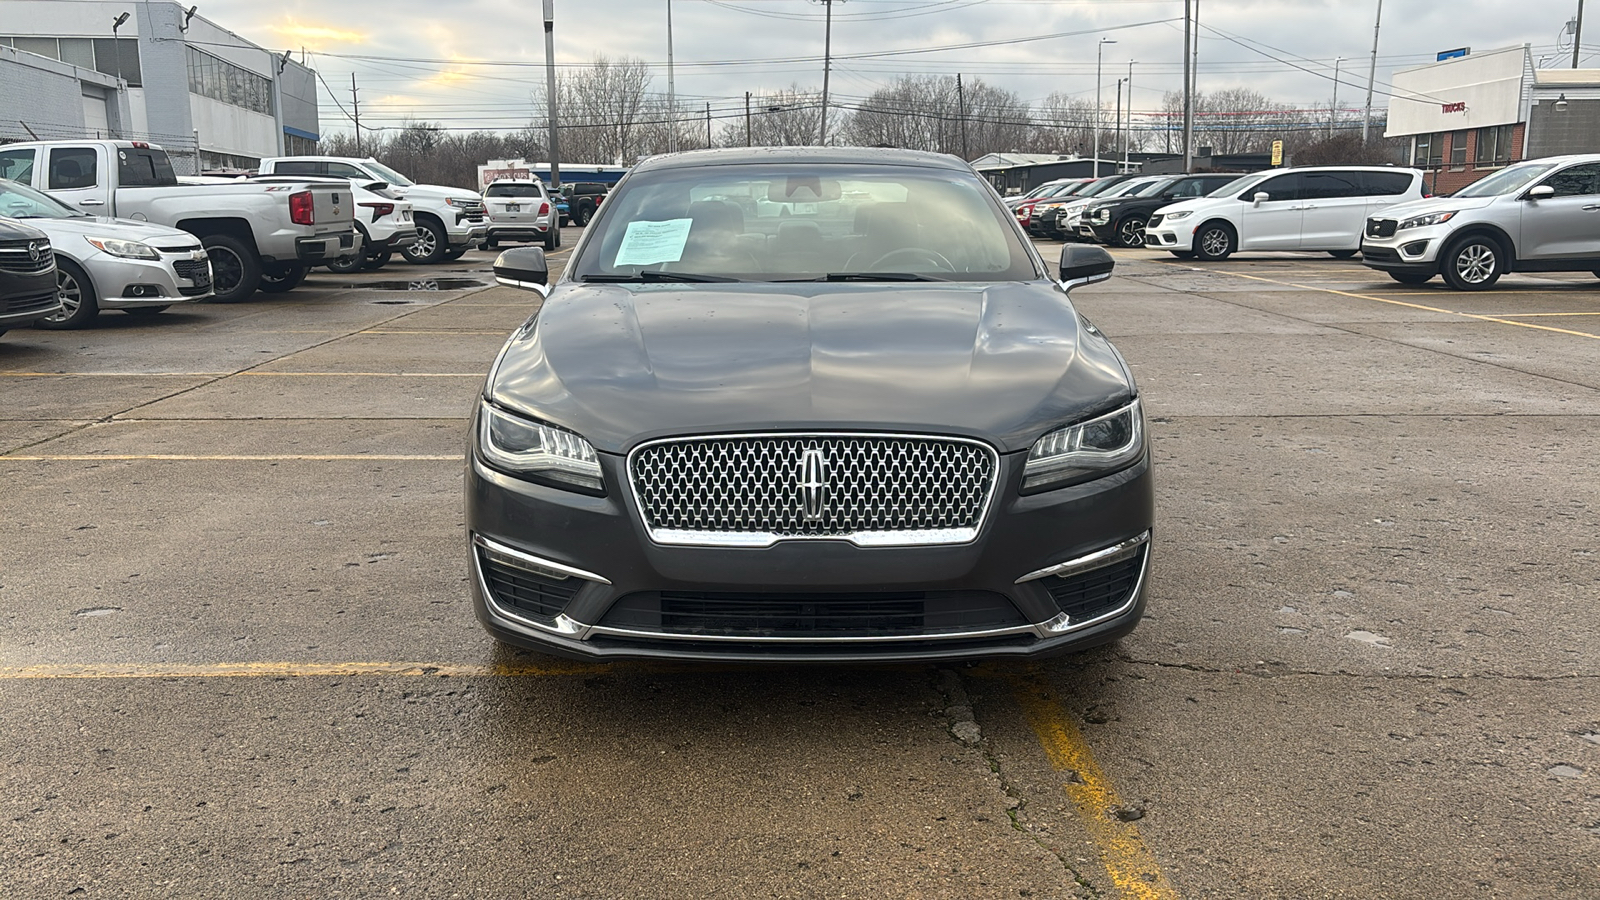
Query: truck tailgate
{"points": [[333, 208]]}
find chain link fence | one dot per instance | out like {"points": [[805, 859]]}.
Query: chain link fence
{"points": [[183, 150]]}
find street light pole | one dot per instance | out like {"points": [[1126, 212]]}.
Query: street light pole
{"points": [[1099, 51], [1577, 35], [1128, 134], [550, 80], [1372, 74], [1333, 114], [827, 65], [1188, 87], [672, 93], [119, 20]]}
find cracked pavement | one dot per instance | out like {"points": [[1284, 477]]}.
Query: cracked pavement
{"points": [[238, 657]]}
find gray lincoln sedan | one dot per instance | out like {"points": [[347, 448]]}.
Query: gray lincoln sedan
{"points": [[807, 404]]}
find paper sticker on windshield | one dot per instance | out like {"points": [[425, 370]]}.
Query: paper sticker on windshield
{"points": [[648, 243]]}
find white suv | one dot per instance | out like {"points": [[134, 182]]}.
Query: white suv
{"points": [[1316, 208], [520, 210], [450, 221], [1536, 216]]}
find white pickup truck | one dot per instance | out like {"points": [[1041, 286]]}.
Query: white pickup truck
{"points": [[450, 221], [257, 235]]}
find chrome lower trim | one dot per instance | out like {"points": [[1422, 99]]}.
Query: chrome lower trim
{"points": [[564, 625], [535, 564], [1063, 624], [864, 639], [1095, 560]]}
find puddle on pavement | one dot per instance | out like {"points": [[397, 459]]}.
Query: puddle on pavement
{"points": [[421, 284]]}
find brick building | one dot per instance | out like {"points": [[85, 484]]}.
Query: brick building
{"points": [[1468, 116]]}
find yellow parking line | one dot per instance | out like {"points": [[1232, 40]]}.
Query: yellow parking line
{"points": [[442, 331], [362, 374], [251, 373], [114, 374], [1129, 863], [1543, 315], [224, 457], [1451, 312], [293, 670]]}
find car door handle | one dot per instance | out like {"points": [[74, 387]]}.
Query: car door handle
{"points": [[91, 203], [1309, 206], [1591, 207]]}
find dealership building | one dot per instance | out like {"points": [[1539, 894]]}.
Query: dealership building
{"points": [[1471, 114], [155, 71]]}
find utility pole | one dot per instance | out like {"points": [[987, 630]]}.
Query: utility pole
{"points": [[550, 91], [355, 106], [708, 126], [1333, 114], [961, 106], [1127, 136], [672, 93], [1188, 87], [1372, 74], [747, 119], [827, 65], [1577, 35], [1116, 135], [1098, 53]]}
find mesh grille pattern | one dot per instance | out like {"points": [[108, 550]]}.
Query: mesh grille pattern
{"points": [[895, 485], [530, 593], [197, 270], [1155, 219], [1382, 228]]}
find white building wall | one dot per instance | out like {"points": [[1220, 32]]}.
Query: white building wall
{"points": [[225, 128], [1470, 92]]}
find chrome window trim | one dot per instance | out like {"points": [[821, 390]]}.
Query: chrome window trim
{"points": [[1099, 558], [763, 539]]}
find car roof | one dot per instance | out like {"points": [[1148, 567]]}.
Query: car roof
{"points": [[733, 156]]}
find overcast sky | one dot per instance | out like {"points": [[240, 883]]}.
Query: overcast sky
{"points": [[723, 48]]}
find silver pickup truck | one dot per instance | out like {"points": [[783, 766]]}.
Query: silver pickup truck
{"points": [[258, 235]]}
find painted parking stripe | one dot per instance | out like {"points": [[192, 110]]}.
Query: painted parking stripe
{"points": [[242, 457], [297, 670], [1129, 863]]}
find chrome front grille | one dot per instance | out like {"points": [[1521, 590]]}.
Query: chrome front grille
{"points": [[756, 490], [26, 257]]}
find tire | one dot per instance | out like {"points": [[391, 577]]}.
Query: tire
{"points": [[1182, 254], [378, 261], [145, 312], [491, 244], [235, 269], [79, 304], [1473, 263], [346, 265], [552, 239], [1215, 241], [1130, 232], [1410, 277], [1343, 254], [430, 245], [455, 254], [284, 280], [582, 218]]}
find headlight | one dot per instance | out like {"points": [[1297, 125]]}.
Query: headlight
{"points": [[124, 249], [525, 447], [1180, 214], [1429, 219], [462, 204], [1101, 215], [1087, 449]]}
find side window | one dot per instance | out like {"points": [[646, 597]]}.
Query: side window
{"points": [[144, 168], [73, 167], [1283, 187], [1329, 185], [1577, 181], [300, 167], [1386, 184], [345, 170], [17, 165], [1190, 187]]}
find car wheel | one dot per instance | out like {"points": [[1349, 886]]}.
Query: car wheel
{"points": [[552, 239], [1473, 263], [1343, 254], [346, 265], [1214, 241], [1410, 277], [1130, 232], [78, 303], [582, 218], [377, 261], [430, 245], [491, 244], [235, 270], [1182, 254], [284, 279], [145, 312], [455, 254]]}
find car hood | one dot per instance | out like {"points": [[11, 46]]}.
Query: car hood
{"points": [[1196, 203], [121, 229], [434, 192], [1412, 208], [621, 364]]}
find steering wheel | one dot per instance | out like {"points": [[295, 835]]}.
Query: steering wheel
{"points": [[911, 254]]}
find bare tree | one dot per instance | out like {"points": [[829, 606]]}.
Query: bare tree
{"points": [[604, 110], [928, 112], [787, 118]]}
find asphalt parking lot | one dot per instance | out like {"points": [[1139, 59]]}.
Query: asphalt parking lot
{"points": [[238, 656]]}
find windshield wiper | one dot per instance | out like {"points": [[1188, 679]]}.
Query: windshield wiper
{"points": [[878, 276], [658, 276]]}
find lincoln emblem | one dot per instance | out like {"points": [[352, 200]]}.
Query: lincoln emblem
{"points": [[813, 483]]}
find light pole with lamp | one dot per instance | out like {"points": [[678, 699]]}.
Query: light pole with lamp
{"points": [[672, 94], [1127, 134], [1099, 52], [1333, 112], [550, 90], [116, 44]]}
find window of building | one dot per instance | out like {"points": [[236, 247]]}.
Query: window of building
{"points": [[1494, 145], [1458, 149], [295, 145], [1429, 151], [210, 76], [109, 56]]}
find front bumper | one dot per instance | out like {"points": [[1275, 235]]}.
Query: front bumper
{"points": [[467, 228], [1177, 235], [27, 298], [601, 538], [131, 283], [1414, 250]]}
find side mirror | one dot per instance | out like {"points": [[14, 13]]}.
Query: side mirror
{"points": [[1082, 264], [523, 267], [1261, 197], [1542, 192]]}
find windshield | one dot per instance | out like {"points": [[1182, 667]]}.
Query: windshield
{"points": [[1155, 187], [803, 222], [389, 174], [1099, 188], [1126, 188], [1239, 185], [523, 189], [22, 202], [1505, 181], [1043, 190]]}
